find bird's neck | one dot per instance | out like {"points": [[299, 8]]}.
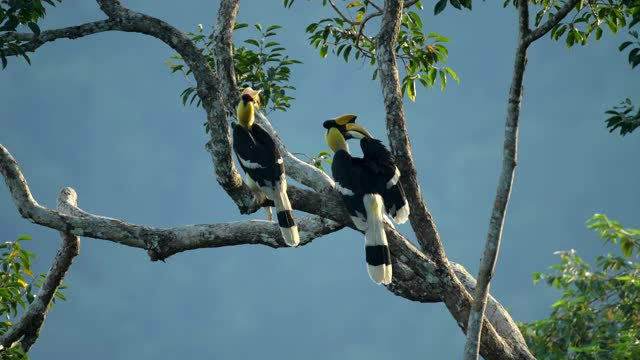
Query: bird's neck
{"points": [[246, 114], [336, 141]]}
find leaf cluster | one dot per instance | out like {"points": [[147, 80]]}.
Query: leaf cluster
{"points": [[260, 63], [14, 13], [598, 315], [422, 56]]}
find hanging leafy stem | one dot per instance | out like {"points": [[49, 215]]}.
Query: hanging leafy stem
{"points": [[14, 14], [261, 64], [422, 57]]}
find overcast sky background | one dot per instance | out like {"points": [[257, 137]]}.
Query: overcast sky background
{"points": [[102, 114]]}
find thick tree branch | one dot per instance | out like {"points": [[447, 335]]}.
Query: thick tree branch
{"points": [[160, 243], [420, 218], [541, 30], [455, 295], [27, 329], [223, 51]]}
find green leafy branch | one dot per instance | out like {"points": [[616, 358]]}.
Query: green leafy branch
{"points": [[422, 56], [261, 64], [14, 13]]}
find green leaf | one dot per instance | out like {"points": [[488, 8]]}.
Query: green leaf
{"points": [[252, 42], [273, 27], [258, 26], [411, 90], [323, 51], [439, 7], [599, 33], [452, 74], [34, 27], [624, 45], [240, 26], [456, 4], [627, 248], [24, 237], [345, 55]]}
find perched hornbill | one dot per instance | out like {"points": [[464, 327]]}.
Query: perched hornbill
{"points": [[263, 164], [369, 186]]}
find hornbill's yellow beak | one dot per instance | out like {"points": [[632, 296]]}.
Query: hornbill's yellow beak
{"points": [[347, 127]]}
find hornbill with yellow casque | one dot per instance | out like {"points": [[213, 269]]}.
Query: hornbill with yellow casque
{"points": [[369, 186], [264, 167]]}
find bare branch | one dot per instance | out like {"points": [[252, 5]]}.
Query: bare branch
{"points": [[27, 329], [509, 162], [160, 243], [503, 192], [541, 30], [71, 32]]}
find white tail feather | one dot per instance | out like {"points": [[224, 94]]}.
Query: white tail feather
{"points": [[375, 236], [282, 204]]}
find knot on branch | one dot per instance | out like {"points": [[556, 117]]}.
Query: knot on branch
{"points": [[159, 244]]}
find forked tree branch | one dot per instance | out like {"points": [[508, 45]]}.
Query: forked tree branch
{"points": [[27, 329], [418, 277], [505, 182], [541, 30]]}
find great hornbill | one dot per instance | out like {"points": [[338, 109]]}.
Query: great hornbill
{"points": [[369, 186], [263, 164]]}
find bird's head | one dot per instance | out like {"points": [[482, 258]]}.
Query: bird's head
{"points": [[249, 95], [346, 125], [249, 102]]}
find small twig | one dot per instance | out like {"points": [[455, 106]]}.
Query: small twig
{"points": [[343, 16]]}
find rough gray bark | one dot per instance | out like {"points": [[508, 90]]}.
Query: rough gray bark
{"points": [[27, 329], [509, 162], [419, 277]]}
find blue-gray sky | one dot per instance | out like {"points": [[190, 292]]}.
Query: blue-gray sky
{"points": [[102, 114]]}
